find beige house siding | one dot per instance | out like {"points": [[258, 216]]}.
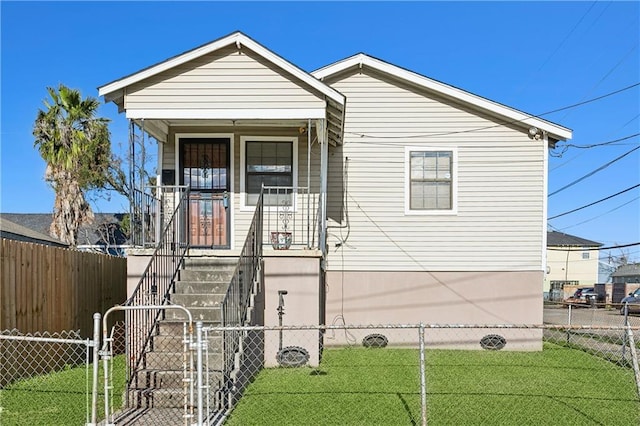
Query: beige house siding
{"points": [[225, 79], [500, 186]]}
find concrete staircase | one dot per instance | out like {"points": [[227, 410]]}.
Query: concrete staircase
{"points": [[201, 288]]}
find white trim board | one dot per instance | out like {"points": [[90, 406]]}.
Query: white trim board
{"points": [[227, 114]]}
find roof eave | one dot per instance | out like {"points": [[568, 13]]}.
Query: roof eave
{"points": [[240, 40], [360, 60]]}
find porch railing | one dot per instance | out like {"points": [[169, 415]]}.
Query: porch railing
{"points": [[237, 300], [156, 284], [150, 212], [290, 217]]}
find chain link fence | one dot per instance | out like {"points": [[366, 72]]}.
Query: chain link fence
{"points": [[568, 313], [328, 375], [424, 374], [47, 378], [41, 375]]}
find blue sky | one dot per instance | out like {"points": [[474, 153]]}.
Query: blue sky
{"points": [[533, 56]]}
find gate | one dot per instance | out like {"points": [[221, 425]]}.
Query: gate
{"points": [[160, 384]]}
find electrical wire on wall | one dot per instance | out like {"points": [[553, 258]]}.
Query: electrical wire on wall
{"points": [[340, 319]]}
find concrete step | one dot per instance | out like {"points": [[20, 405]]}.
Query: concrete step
{"points": [[211, 275], [174, 361], [169, 379], [171, 343], [198, 300], [172, 327], [158, 401], [145, 416], [157, 398], [200, 287], [209, 262], [198, 314]]}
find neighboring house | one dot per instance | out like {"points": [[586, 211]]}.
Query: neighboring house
{"points": [[105, 234], [13, 231], [409, 199], [571, 262], [628, 274], [626, 278]]}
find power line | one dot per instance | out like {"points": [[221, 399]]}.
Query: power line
{"points": [[427, 135], [570, 145], [611, 70], [594, 171], [595, 202], [599, 216], [594, 249], [573, 158], [559, 46]]}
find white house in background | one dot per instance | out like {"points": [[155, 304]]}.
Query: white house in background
{"points": [[571, 262], [406, 199]]}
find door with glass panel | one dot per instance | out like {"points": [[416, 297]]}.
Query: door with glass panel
{"points": [[204, 165]]}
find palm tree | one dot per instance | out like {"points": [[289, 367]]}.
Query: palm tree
{"points": [[76, 147]]}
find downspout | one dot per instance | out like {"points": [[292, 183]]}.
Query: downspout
{"points": [[324, 153], [545, 214], [308, 182]]}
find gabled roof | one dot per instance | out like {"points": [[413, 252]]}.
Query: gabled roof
{"points": [[629, 270], [105, 230], [13, 231], [558, 239], [111, 90], [510, 115]]}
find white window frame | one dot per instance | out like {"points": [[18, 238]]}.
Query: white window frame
{"points": [[407, 181], [243, 165]]}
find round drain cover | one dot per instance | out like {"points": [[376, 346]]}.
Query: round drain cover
{"points": [[493, 342], [292, 356], [375, 341]]}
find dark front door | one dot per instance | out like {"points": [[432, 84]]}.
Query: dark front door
{"points": [[204, 164]]}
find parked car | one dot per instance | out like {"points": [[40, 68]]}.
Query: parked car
{"points": [[632, 301], [586, 295]]}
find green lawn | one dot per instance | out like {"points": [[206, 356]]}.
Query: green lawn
{"points": [[58, 398], [357, 386]]}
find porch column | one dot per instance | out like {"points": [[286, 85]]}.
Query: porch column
{"points": [[321, 131]]}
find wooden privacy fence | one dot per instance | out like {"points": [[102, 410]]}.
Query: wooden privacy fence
{"points": [[52, 289]]}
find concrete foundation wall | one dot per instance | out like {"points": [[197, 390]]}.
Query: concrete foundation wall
{"points": [[300, 277], [136, 264], [482, 298]]}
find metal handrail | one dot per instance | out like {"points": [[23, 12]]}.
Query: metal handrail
{"points": [[155, 286], [236, 302]]}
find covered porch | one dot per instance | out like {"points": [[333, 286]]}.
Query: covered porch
{"points": [[232, 119]]}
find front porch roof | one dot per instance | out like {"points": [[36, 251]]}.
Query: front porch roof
{"points": [[270, 109]]}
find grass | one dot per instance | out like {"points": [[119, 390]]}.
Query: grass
{"points": [[58, 398], [357, 386]]}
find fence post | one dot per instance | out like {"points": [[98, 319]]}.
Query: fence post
{"points": [[423, 381], [569, 324], [199, 382], [634, 357], [96, 366]]}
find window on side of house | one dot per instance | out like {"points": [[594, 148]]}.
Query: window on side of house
{"points": [[430, 181], [585, 254], [271, 162]]}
